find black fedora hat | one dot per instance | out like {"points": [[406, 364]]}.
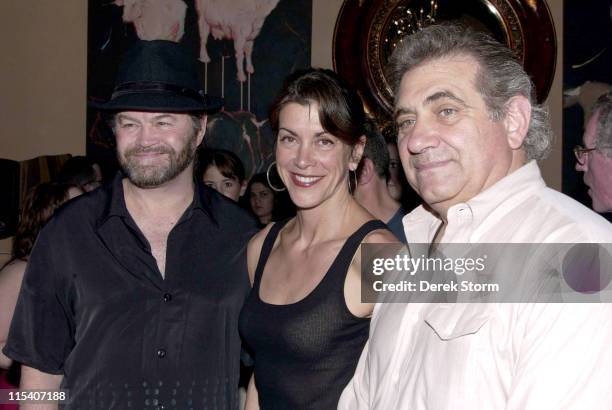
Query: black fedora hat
{"points": [[158, 76]]}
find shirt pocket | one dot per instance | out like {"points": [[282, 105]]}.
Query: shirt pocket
{"points": [[452, 321]]}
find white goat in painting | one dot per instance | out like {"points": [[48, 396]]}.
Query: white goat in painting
{"points": [[239, 20], [155, 19]]}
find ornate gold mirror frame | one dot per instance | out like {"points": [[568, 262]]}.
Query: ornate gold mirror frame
{"points": [[367, 32]]}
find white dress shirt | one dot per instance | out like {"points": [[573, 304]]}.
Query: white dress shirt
{"points": [[495, 355]]}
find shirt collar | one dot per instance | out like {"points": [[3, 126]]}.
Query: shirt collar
{"points": [[116, 201], [202, 201], [421, 224], [115, 205], [511, 188]]}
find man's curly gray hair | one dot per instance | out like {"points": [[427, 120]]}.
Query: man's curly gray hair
{"points": [[500, 75]]}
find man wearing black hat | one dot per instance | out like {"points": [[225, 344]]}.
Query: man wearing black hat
{"points": [[132, 293]]}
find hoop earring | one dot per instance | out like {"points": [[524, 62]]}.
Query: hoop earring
{"points": [[268, 178], [354, 179]]}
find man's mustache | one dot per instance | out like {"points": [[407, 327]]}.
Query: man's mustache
{"points": [[419, 160], [148, 150]]}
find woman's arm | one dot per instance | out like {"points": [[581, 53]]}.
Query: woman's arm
{"points": [[354, 280], [252, 398], [10, 283]]}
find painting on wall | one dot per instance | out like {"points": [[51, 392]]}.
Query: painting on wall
{"points": [[587, 73], [245, 47]]}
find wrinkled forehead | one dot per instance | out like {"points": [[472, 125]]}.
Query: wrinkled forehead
{"points": [[455, 74]]}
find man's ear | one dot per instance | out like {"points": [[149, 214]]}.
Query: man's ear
{"points": [[203, 121], [517, 119], [357, 153], [243, 187]]}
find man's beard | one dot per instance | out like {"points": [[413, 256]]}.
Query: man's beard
{"points": [[154, 175]]}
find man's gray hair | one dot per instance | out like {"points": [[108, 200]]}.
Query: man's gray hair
{"points": [[500, 75], [603, 136]]}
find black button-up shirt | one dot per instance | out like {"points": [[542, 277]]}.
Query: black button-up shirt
{"points": [[94, 307]]}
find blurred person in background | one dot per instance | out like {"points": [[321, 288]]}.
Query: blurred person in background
{"points": [[595, 157], [81, 172], [38, 207], [372, 190], [262, 199], [398, 185], [223, 171], [396, 180]]}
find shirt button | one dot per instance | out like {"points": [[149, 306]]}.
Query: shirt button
{"points": [[167, 297], [161, 353]]}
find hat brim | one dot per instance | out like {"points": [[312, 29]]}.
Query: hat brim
{"points": [[159, 102]]}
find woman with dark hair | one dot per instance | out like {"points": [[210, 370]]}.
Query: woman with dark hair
{"points": [[38, 207], [223, 171], [261, 199], [304, 319], [266, 203]]}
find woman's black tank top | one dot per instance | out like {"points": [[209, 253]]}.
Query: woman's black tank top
{"points": [[305, 352]]}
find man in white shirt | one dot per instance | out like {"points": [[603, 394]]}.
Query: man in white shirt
{"points": [[469, 135]]}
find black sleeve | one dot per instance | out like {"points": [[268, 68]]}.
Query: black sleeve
{"points": [[41, 332]]}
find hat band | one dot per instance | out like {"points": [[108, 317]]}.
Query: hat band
{"points": [[156, 87]]}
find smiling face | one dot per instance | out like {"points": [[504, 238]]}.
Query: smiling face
{"points": [[312, 163], [451, 150], [597, 168], [154, 148], [229, 187]]}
